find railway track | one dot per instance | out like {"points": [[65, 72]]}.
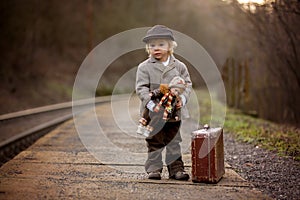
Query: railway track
{"points": [[21, 129]]}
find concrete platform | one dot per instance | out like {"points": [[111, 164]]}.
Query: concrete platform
{"points": [[82, 159]]}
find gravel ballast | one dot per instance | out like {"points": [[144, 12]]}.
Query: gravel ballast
{"points": [[276, 176]]}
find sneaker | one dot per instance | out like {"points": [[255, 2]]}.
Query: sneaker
{"points": [[146, 132], [154, 175], [181, 176], [141, 129]]}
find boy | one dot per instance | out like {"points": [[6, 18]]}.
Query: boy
{"points": [[166, 97], [160, 68]]}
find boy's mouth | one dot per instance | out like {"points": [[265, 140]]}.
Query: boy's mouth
{"points": [[157, 54]]}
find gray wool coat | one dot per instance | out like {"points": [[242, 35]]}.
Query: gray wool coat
{"points": [[151, 73]]}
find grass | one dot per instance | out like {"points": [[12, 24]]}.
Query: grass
{"points": [[60, 89], [109, 90], [283, 139]]}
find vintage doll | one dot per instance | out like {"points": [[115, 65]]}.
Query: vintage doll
{"points": [[166, 97]]}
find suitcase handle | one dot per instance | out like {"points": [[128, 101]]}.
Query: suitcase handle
{"points": [[206, 126]]}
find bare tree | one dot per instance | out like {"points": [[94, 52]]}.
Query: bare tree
{"points": [[276, 25]]}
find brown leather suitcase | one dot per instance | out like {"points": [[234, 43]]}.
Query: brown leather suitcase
{"points": [[207, 155]]}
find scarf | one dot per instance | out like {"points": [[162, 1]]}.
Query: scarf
{"points": [[167, 104]]}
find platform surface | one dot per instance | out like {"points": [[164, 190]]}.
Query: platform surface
{"points": [[82, 159]]}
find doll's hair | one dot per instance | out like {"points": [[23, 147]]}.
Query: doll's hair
{"points": [[172, 46], [164, 88]]}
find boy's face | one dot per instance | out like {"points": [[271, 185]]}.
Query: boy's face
{"points": [[159, 49]]}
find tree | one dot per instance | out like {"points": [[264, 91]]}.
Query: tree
{"points": [[276, 25]]}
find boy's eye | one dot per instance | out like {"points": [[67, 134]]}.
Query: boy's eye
{"points": [[155, 45]]}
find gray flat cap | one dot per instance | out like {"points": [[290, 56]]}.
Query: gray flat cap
{"points": [[158, 32]]}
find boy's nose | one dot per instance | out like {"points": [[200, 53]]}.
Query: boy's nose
{"points": [[156, 48]]}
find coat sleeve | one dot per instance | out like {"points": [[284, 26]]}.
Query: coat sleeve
{"points": [[142, 85], [186, 76]]}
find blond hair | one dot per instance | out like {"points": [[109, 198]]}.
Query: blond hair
{"points": [[172, 46]]}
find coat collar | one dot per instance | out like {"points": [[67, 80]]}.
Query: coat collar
{"points": [[161, 67]]}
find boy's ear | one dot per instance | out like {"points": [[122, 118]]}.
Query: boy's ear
{"points": [[164, 88]]}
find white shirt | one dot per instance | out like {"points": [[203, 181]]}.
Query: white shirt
{"points": [[166, 62]]}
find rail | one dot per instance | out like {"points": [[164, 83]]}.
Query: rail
{"points": [[22, 139]]}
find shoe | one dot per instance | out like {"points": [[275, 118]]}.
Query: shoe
{"points": [[181, 176], [154, 175], [146, 133], [141, 129]]}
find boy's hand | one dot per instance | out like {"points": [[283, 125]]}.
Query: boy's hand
{"points": [[178, 103]]}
